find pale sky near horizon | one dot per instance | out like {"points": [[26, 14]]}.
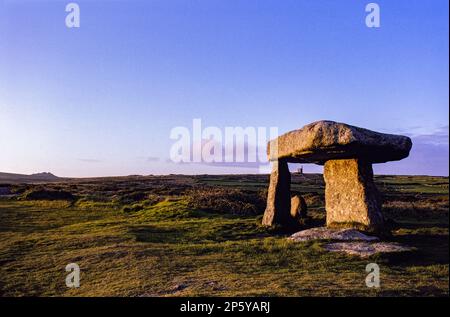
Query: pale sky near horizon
{"points": [[102, 99]]}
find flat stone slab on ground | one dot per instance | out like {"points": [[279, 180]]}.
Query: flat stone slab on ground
{"points": [[323, 233], [366, 249]]}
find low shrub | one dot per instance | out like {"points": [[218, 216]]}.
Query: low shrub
{"points": [[131, 197], [132, 208], [47, 194], [153, 199], [225, 200]]}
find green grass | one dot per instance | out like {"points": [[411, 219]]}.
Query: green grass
{"points": [[169, 249]]}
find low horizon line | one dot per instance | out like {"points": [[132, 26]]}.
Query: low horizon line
{"points": [[199, 174]]}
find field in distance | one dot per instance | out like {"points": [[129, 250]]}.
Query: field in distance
{"points": [[201, 236]]}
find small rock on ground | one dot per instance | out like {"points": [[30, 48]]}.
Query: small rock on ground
{"points": [[366, 249], [323, 233]]}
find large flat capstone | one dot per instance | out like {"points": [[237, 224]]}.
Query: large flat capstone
{"points": [[324, 140]]}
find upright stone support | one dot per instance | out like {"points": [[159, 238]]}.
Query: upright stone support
{"points": [[350, 194], [278, 210]]}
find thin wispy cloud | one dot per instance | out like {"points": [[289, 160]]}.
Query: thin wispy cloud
{"points": [[429, 154], [89, 160], [153, 159], [438, 137]]}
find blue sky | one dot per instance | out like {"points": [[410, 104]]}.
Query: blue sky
{"points": [[102, 99]]}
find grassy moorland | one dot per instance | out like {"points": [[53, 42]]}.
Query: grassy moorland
{"points": [[200, 235]]}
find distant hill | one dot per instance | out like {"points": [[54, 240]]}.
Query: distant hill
{"points": [[33, 178]]}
